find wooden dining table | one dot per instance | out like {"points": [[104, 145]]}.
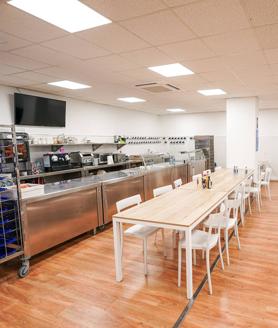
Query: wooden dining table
{"points": [[182, 209]]}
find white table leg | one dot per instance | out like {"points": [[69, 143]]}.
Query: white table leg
{"points": [[189, 280], [117, 250]]}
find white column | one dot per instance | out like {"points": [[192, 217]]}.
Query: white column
{"points": [[241, 116]]}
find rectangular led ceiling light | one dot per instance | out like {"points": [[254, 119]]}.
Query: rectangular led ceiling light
{"points": [[171, 70], [69, 85], [175, 110], [131, 99], [70, 15], [212, 92]]}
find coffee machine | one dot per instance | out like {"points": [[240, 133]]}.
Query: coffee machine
{"points": [[56, 162]]}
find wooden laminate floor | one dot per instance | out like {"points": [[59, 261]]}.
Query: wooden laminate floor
{"points": [[74, 285]]}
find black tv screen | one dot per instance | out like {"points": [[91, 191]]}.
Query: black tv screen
{"points": [[39, 111]]}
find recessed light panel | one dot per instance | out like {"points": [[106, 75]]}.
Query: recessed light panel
{"points": [[70, 15], [212, 92], [69, 85], [175, 110], [171, 70], [131, 99]]}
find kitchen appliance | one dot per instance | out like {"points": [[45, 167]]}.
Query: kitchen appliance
{"points": [[120, 158], [103, 158], [79, 159], [56, 161], [7, 152], [110, 160]]}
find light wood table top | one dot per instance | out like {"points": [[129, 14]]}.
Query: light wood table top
{"points": [[180, 207], [185, 205], [223, 180]]}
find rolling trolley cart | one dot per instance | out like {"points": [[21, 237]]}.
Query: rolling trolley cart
{"points": [[11, 238]]}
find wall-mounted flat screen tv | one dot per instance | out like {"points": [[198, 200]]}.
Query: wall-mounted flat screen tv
{"points": [[39, 111]]}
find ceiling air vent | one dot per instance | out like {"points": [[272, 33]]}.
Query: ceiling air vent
{"points": [[157, 87]]}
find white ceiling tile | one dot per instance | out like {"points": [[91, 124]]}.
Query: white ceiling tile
{"points": [[261, 12], [112, 63], [159, 28], [271, 55], [25, 26], [6, 69], [20, 62], [114, 38], [10, 42], [190, 83], [60, 73], [187, 50], [43, 54], [33, 76], [274, 68], [267, 36], [220, 75], [210, 17], [248, 59], [123, 9], [10, 80], [143, 75], [258, 72], [206, 65], [175, 3], [148, 57], [232, 42], [76, 47]]}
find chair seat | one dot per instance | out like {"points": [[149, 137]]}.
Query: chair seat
{"points": [[264, 183], [219, 221], [202, 240], [253, 190], [140, 231], [246, 195]]}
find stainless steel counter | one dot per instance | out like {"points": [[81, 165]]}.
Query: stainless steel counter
{"points": [[82, 170], [70, 208]]}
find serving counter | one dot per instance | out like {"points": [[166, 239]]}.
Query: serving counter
{"points": [[70, 208]]}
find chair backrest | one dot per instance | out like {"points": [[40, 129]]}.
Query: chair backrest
{"points": [[162, 190], [178, 183], [196, 177], [217, 168], [240, 190], [207, 172], [267, 176], [128, 202]]}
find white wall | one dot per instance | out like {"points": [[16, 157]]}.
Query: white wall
{"points": [[94, 119], [215, 124], [199, 124], [87, 118], [241, 119]]}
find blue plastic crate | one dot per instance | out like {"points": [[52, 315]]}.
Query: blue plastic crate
{"points": [[10, 251]]}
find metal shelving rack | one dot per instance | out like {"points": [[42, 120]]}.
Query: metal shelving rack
{"points": [[206, 143], [11, 235]]}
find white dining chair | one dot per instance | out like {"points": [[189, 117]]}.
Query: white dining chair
{"points": [[137, 230], [217, 168], [239, 193], [178, 183], [196, 177], [162, 190], [205, 241], [247, 196], [266, 181], [224, 221], [207, 172], [156, 193], [254, 188]]}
